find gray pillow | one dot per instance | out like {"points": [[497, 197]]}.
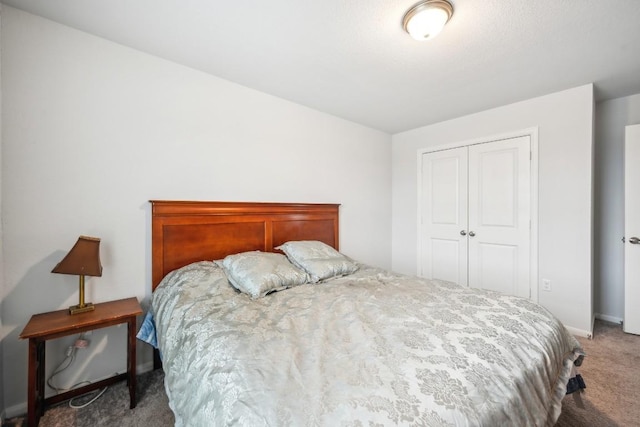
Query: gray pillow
{"points": [[258, 273], [320, 260]]}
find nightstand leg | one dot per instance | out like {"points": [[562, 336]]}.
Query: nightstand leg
{"points": [[35, 402], [131, 361]]}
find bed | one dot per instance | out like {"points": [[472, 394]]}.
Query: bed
{"points": [[352, 346]]}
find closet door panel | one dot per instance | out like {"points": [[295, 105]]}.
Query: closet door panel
{"points": [[444, 260], [497, 266], [499, 216], [444, 215]]}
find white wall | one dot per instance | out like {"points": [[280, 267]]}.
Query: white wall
{"points": [[611, 118], [93, 130], [565, 122]]}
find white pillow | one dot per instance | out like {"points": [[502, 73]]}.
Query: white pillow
{"points": [[318, 259], [259, 273]]}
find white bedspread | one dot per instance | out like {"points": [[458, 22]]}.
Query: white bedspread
{"points": [[373, 348]]}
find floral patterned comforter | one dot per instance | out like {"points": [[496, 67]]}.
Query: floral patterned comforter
{"points": [[373, 348]]}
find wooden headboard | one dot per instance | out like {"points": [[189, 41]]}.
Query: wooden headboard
{"points": [[183, 232]]}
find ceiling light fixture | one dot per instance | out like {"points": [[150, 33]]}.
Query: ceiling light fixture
{"points": [[426, 19]]}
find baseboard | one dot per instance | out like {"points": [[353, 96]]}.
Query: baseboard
{"points": [[15, 410], [579, 332], [21, 408], [608, 318], [589, 334], [144, 368]]}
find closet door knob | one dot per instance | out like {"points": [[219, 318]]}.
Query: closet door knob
{"points": [[634, 241], [471, 234], [463, 233]]}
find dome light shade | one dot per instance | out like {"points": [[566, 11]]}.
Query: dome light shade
{"points": [[426, 19]]}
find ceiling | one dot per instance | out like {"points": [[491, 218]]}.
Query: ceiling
{"points": [[352, 59]]}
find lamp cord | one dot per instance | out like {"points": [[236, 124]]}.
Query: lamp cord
{"points": [[70, 357], [84, 405]]}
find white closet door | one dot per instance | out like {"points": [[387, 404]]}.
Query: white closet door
{"points": [[499, 216], [444, 215], [631, 322]]}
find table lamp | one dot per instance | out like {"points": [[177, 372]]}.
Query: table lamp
{"points": [[82, 260]]}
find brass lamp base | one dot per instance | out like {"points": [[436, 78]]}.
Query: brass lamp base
{"points": [[82, 307], [77, 309]]}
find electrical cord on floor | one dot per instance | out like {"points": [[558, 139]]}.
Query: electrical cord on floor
{"points": [[84, 405], [68, 360]]}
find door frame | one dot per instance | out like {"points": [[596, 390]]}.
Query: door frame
{"points": [[532, 133]]}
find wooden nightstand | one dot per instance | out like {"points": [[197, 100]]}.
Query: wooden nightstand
{"points": [[56, 324]]}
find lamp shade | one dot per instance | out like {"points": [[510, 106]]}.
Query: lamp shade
{"points": [[83, 259]]}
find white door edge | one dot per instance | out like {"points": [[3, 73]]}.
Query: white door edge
{"points": [[533, 135], [631, 323]]}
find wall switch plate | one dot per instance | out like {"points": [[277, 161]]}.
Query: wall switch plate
{"points": [[546, 285]]}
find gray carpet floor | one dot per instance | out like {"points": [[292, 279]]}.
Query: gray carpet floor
{"points": [[611, 372], [112, 408]]}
